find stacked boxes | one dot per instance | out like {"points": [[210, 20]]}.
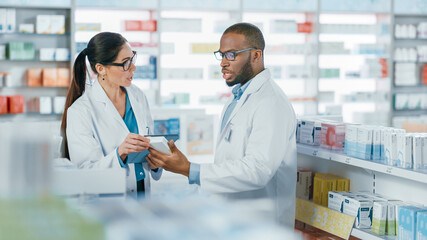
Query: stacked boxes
{"points": [[48, 77], [20, 51], [324, 183], [7, 20]]}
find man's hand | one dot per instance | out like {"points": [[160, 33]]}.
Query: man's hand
{"points": [[176, 162]]}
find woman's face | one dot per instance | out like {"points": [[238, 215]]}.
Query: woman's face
{"points": [[116, 74]]}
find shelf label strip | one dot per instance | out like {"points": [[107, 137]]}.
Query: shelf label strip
{"points": [[324, 218]]}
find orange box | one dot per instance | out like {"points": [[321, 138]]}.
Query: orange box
{"points": [[49, 77], [135, 25], [16, 104], [34, 77], [63, 77], [304, 27], [3, 105]]}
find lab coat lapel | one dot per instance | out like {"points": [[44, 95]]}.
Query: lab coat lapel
{"points": [[254, 86], [110, 109], [137, 110]]}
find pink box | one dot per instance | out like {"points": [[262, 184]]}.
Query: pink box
{"points": [[332, 135]]}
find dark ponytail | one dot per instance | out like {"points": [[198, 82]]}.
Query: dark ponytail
{"points": [[102, 48]]}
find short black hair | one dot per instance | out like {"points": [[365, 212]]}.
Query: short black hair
{"points": [[251, 32]]}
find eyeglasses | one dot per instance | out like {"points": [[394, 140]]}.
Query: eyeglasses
{"points": [[230, 56], [126, 64]]}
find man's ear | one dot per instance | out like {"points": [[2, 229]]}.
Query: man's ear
{"points": [[257, 57], [100, 69]]}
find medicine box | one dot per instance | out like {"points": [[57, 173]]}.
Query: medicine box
{"points": [[379, 218], [160, 144], [404, 150], [304, 189], [408, 222], [336, 200], [310, 132], [422, 226], [376, 144], [57, 24], [16, 104], [350, 140], [417, 141], [361, 208], [391, 217], [34, 77], [364, 142], [332, 135], [3, 105]]}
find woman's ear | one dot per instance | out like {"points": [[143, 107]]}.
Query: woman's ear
{"points": [[100, 69]]}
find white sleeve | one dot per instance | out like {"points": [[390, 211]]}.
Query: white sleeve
{"points": [[85, 150], [264, 152]]}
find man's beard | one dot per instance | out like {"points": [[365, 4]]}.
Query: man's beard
{"points": [[246, 73]]}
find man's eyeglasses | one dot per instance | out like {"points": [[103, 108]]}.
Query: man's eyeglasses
{"points": [[126, 64], [230, 56]]}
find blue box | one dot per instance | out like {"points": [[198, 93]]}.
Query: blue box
{"points": [[408, 221]]}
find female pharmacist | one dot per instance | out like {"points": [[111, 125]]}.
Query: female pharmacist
{"points": [[104, 121]]}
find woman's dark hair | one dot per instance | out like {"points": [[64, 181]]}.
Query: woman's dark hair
{"points": [[102, 48]]}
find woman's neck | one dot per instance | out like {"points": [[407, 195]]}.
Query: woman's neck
{"points": [[113, 91]]}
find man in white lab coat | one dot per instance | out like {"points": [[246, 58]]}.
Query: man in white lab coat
{"points": [[256, 150]]}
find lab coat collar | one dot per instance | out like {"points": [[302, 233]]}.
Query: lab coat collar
{"points": [[101, 96], [255, 85]]}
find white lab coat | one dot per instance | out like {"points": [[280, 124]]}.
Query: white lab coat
{"points": [[255, 155], [95, 129]]}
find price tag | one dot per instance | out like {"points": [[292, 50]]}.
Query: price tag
{"points": [[347, 160], [324, 218]]}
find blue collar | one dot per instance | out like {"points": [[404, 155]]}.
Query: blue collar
{"points": [[238, 90]]}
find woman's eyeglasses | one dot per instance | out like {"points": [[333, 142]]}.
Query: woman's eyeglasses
{"points": [[126, 65]]}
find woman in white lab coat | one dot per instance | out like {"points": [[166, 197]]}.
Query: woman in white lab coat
{"points": [[104, 122]]}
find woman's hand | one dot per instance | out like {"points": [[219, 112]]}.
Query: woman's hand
{"points": [[132, 144]]}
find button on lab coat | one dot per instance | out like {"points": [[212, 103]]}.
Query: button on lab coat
{"points": [[255, 154], [95, 129]]}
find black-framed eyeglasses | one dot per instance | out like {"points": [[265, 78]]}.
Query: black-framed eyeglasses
{"points": [[230, 56], [126, 64]]}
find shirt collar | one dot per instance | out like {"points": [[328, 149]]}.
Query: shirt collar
{"points": [[238, 90]]}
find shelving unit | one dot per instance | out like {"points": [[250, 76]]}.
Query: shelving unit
{"points": [[407, 16], [318, 152], [17, 68], [366, 175]]}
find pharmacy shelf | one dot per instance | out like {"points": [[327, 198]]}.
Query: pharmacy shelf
{"points": [[33, 88], [365, 234], [30, 116], [410, 89], [34, 7], [342, 158], [33, 60], [34, 34], [409, 112]]}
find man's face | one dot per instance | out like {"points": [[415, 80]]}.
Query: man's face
{"points": [[240, 70]]}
